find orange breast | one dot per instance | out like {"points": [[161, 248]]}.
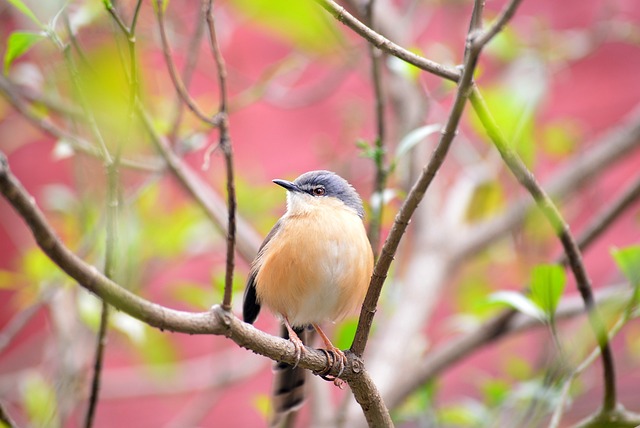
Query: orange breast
{"points": [[317, 267]]}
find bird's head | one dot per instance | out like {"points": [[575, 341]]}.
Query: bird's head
{"points": [[318, 187]]}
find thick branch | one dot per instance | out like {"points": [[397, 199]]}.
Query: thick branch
{"points": [[217, 321], [410, 204]]}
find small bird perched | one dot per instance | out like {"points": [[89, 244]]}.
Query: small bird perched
{"points": [[314, 266]]}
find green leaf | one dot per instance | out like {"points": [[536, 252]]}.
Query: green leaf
{"points": [[488, 199], [345, 332], [39, 400], [518, 301], [299, 22], [495, 391], [628, 260], [547, 285], [18, 44], [415, 137], [19, 4]]}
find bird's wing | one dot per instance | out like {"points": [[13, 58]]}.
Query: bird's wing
{"points": [[251, 306]]}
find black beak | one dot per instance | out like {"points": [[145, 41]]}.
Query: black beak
{"points": [[287, 185]]}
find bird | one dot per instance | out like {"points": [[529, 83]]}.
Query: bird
{"points": [[314, 266]]}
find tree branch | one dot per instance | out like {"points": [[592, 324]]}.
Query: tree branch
{"points": [[217, 321], [385, 44], [225, 144], [377, 207], [214, 120], [561, 228], [402, 219]]}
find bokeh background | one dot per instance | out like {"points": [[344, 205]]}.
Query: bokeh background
{"points": [[559, 79]]}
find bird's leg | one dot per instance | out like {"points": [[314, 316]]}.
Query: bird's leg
{"points": [[297, 343], [337, 357]]}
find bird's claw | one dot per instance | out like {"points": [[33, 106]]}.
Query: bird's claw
{"points": [[300, 349], [334, 356]]}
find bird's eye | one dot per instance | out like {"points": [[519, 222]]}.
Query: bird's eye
{"points": [[319, 191]]}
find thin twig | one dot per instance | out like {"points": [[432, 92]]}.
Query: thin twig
{"points": [[248, 240], [187, 72], [214, 120], [459, 348], [465, 85], [377, 207], [560, 227], [387, 45], [225, 144]]}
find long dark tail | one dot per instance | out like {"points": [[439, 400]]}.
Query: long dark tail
{"points": [[288, 385]]}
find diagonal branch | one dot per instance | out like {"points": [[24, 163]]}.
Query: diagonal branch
{"points": [[214, 120], [561, 228], [387, 45], [416, 194]]}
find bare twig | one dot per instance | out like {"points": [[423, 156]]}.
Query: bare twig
{"points": [[606, 218], [187, 73], [225, 144], [101, 340], [248, 240], [377, 207], [461, 347], [213, 120], [387, 45], [465, 86]]}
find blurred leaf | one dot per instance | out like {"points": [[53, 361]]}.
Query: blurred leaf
{"points": [[262, 403], [195, 295], [505, 46], [106, 88], [632, 341], [419, 403], [628, 260], [299, 22], [518, 368], [39, 401], [157, 351], [9, 280], [403, 68], [345, 333], [547, 285], [24, 9], [495, 391], [559, 139], [519, 302], [38, 268], [415, 137], [469, 413], [487, 200], [18, 44], [168, 228], [133, 328], [89, 309]]}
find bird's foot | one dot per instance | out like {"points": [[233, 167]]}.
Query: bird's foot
{"points": [[335, 357]]}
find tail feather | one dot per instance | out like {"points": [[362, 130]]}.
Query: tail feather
{"points": [[288, 385]]}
